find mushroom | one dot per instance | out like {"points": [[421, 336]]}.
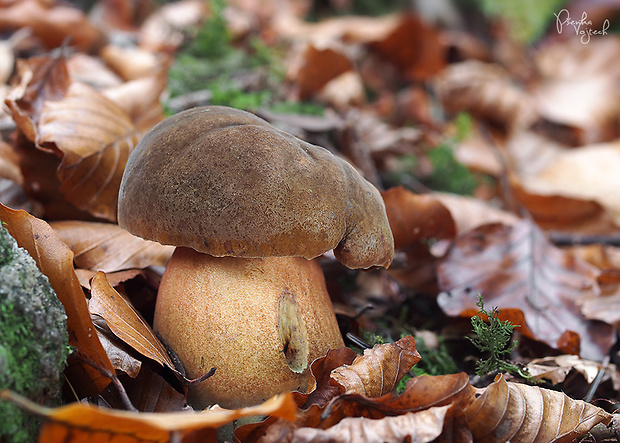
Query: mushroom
{"points": [[249, 208]]}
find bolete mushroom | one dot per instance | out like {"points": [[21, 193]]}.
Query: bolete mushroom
{"points": [[249, 207]]}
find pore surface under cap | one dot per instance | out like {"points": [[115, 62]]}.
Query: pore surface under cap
{"points": [[227, 183]]}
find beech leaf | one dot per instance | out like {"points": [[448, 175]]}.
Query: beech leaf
{"points": [[108, 247], [534, 284], [125, 322], [79, 422], [420, 427], [379, 370], [55, 260], [92, 135], [517, 412]]}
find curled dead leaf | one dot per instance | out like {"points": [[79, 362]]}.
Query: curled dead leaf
{"points": [[421, 427], [379, 370], [516, 412], [125, 322], [55, 260], [78, 422], [91, 134], [487, 91]]}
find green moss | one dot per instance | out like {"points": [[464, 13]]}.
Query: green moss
{"points": [[526, 20], [33, 339]]}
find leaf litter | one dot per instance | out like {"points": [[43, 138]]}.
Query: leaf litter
{"points": [[541, 151]]}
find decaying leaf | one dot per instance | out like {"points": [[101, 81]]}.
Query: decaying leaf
{"points": [[487, 91], [516, 412], [415, 218], [516, 268], [379, 370], [52, 22], [90, 133], [423, 426], [124, 322], [109, 248], [55, 260], [78, 422], [556, 368]]}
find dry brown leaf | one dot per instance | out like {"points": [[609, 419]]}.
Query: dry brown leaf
{"points": [[167, 28], [586, 173], [91, 135], [109, 248], [420, 427], [577, 88], [92, 71], [52, 23], [469, 213], [318, 67], [117, 353], [562, 212], [125, 322], [9, 163], [415, 218], [487, 91], [557, 367], [516, 412], [79, 422], [55, 260], [539, 285], [379, 370], [131, 63], [424, 54], [141, 99]]}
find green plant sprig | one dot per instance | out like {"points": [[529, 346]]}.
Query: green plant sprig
{"points": [[493, 337]]}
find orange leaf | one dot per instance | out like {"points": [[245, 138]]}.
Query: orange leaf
{"points": [[517, 412], [55, 260], [379, 370], [79, 422], [414, 218], [109, 248], [125, 322]]}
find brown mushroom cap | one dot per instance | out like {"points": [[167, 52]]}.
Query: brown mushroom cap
{"points": [[227, 183]]}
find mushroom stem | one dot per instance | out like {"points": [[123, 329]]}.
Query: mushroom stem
{"points": [[259, 321]]}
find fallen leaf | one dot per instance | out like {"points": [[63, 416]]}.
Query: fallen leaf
{"points": [[518, 270], [125, 322], [167, 28], [379, 370], [91, 135], [318, 67], [420, 393], [416, 218], [469, 212], [516, 412], [51, 21], [9, 163], [423, 426], [424, 54], [556, 368], [78, 422], [487, 91], [55, 260], [576, 87], [108, 247], [587, 173]]}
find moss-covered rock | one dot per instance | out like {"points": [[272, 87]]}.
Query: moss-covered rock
{"points": [[33, 339]]}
